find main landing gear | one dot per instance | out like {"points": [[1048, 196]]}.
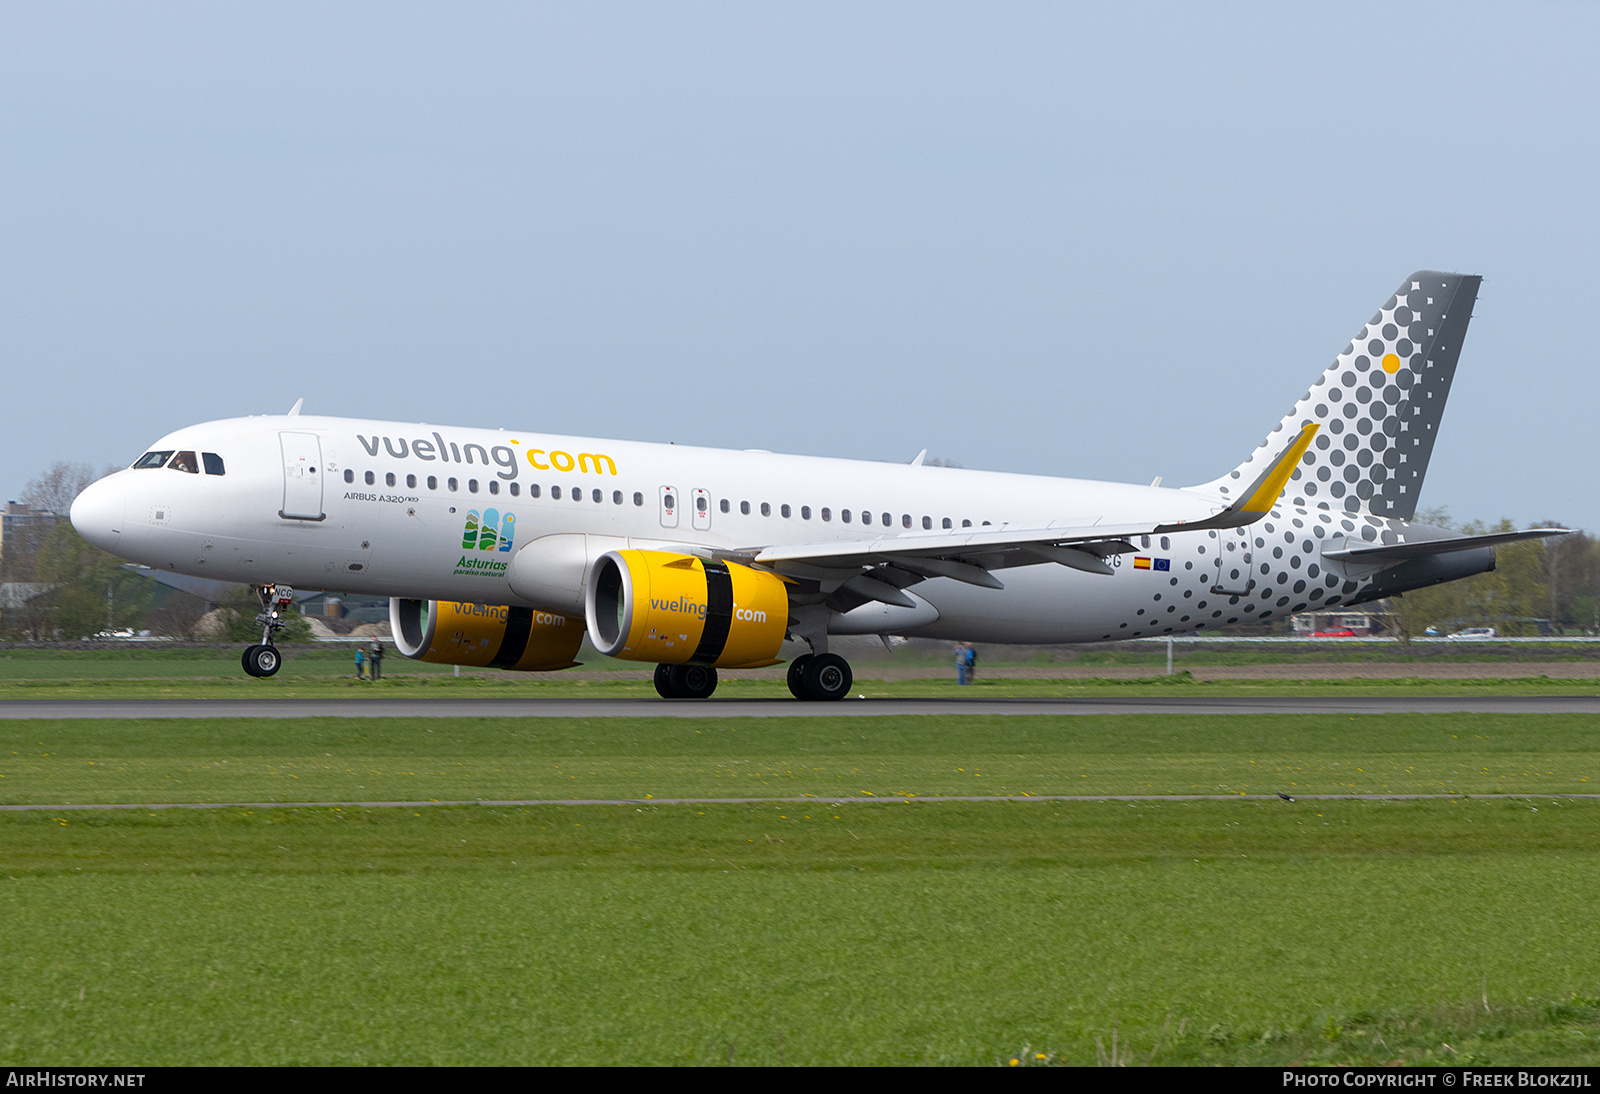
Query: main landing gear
{"points": [[685, 681], [820, 677], [264, 659]]}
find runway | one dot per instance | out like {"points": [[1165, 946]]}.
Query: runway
{"points": [[786, 708]]}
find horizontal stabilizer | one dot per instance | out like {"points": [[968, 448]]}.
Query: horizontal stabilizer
{"points": [[1398, 552]]}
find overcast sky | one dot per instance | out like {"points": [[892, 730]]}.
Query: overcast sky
{"points": [[1107, 241]]}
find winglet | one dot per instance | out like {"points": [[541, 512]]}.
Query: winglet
{"points": [[1258, 499], [1266, 490], [294, 411]]}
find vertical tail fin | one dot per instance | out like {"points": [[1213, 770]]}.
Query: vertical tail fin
{"points": [[1378, 405]]}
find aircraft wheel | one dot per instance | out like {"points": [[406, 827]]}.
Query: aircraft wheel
{"points": [[693, 681], [262, 660], [664, 682], [797, 677], [828, 677]]}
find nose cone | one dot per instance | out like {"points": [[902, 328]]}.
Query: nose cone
{"points": [[97, 513]]}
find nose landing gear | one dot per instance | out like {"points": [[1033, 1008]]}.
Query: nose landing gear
{"points": [[261, 660], [264, 659]]}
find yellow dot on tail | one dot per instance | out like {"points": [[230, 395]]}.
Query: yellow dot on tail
{"points": [[1391, 363]]}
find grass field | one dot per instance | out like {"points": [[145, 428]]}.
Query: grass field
{"points": [[404, 759], [882, 931], [873, 933]]}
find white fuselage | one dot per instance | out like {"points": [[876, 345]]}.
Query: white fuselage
{"points": [[383, 508]]}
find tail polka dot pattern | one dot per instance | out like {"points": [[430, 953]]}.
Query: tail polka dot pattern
{"points": [[1378, 404]]}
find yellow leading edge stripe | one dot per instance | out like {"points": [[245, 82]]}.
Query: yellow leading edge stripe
{"points": [[1272, 483]]}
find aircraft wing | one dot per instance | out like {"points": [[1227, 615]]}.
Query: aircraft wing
{"points": [[968, 554]]}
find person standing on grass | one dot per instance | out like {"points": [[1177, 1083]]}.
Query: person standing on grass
{"points": [[972, 663], [377, 660], [961, 664], [361, 664]]}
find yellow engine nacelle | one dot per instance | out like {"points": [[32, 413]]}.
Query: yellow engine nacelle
{"points": [[484, 635], [676, 609]]}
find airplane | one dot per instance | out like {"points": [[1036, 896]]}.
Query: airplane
{"points": [[504, 548]]}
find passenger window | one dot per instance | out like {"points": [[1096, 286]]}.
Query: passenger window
{"points": [[805, 512], [766, 509], [185, 461], [616, 497], [1166, 544], [844, 515], [152, 459], [533, 490], [723, 505], [701, 504], [555, 493], [472, 486], [597, 496], [1144, 541], [785, 511], [945, 523], [887, 520], [453, 484], [927, 523], [515, 488], [349, 475], [433, 482], [369, 478], [744, 508], [638, 498], [494, 486], [577, 493], [866, 516], [213, 463], [827, 514], [411, 482], [966, 524], [388, 480], [905, 520]]}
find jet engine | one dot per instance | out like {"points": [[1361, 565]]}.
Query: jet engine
{"points": [[484, 635], [677, 609]]}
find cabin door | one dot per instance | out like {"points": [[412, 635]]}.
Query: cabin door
{"points": [[302, 476]]}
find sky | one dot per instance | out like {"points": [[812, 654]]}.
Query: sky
{"points": [[1102, 241]]}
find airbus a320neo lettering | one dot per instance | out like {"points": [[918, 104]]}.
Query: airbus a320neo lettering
{"points": [[503, 548]]}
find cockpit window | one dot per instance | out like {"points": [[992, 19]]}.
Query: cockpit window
{"points": [[213, 463], [185, 461], [152, 459]]}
